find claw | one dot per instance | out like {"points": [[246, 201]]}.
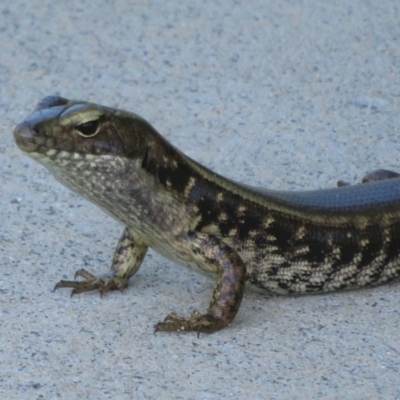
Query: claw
{"points": [[196, 322], [91, 282], [85, 275]]}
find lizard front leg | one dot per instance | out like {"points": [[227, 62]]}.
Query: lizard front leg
{"points": [[212, 254], [128, 257]]}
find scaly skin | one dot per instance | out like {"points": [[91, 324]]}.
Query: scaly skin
{"points": [[282, 242]]}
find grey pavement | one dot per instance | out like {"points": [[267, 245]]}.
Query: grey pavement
{"points": [[282, 94]]}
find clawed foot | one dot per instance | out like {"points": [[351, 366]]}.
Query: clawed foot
{"points": [[197, 322], [91, 282]]}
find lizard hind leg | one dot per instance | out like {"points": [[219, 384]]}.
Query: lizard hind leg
{"points": [[379, 175], [374, 176]]}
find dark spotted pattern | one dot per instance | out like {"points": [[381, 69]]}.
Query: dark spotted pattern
{"points": [[173, 176], [392, 248], [177, 177], [371, 250]]}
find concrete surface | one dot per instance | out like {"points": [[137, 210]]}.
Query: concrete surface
{"points": [[290, 94]]}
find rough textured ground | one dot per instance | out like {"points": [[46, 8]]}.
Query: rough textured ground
{"points": [[289, 94]]}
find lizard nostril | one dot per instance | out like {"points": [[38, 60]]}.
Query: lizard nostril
{"points": [[36, 129]]}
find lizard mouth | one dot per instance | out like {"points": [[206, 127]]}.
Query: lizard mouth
{"points": [[29, 135], [25, 138]]}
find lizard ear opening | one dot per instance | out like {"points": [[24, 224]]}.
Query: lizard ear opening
{"points": [[88, 129]]}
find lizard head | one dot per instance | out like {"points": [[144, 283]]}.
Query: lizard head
{"points": [[64, 128], [90, 148]]}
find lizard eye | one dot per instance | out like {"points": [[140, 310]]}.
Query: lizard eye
{"points": [[88, 129]]}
